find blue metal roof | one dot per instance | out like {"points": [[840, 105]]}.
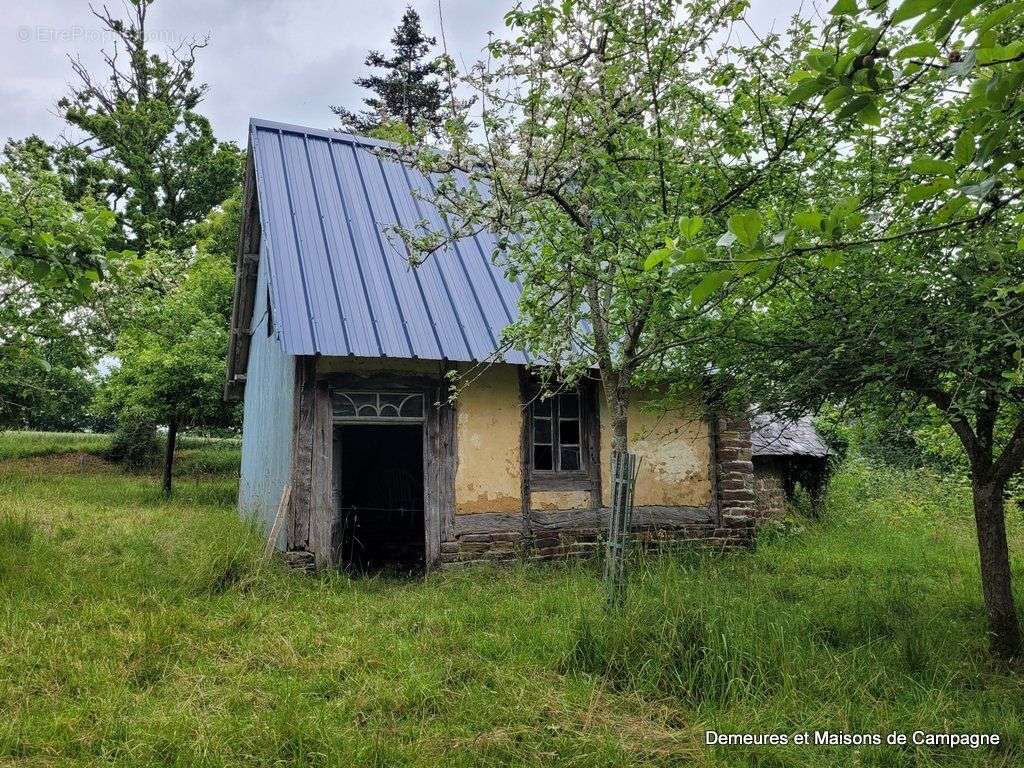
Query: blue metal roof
{"points": [[341, 282]]}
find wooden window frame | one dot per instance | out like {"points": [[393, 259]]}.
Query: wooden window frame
{"points": [[556, 479]]}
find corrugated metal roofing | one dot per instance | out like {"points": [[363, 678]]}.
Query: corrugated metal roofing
{"points": [[340, 278], [773, 435]]}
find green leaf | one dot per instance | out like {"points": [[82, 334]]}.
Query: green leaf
{"points": [[924, 50], [998, 16], [745, 266], [844, 63], [845, 207], [844, 7], [802, 92], [692, 255], [1020, 244], [963, 150], [746, 225], [853, 107], [799, 76], [821, 61], [708, 286], [832, 259], [656, 257], [836, 96], [855, 219], [690, 226], [925, 191], [930, 166], [809, 220], [869, 114], [949, 209], [910, 9]]}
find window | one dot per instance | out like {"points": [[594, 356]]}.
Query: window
{"points": [[557, 434], [377, 406]]}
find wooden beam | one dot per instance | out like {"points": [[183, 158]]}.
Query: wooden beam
{"points": [[302, 453], [439, 463], [244, 294]]}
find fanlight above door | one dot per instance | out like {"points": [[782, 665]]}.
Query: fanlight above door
{"points": [[377, 406]]}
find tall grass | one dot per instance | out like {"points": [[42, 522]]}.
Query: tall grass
{"points": [[23, 444], [143, 632], [196, 454]]}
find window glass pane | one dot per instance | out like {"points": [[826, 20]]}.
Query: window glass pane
{"points": [[569, 431], [365, 402], [569, 405], [413, 406], [389, 404], [343, 405], [542, 407], [542, 457], [570, 458], [542, 430]]}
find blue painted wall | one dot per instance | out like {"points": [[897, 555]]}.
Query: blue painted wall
{"points": [[269, 413]]}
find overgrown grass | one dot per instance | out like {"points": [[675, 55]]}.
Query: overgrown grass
{"points": [[196, 455], [140, 632], [23, 444]]}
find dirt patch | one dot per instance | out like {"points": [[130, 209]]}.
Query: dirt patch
{"points": [[62, 463]]}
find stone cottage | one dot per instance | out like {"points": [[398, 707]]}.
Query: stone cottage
{"points": [[787, 453], [342, 354]]}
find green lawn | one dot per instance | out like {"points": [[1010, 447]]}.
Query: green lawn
{"points": [[139, 632], [195, 455]]}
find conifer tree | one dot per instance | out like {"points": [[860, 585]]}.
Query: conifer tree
{"points": [[407, 92]]}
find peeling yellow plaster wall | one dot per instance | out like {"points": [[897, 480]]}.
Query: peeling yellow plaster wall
{"points": [[674, 444], [675, 451], [547, 500], [489, 420]]}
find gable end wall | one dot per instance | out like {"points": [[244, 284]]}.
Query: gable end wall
{"points": [[267, 424]]}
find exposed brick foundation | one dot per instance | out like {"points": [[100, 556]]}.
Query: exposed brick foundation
{"points": [[735, 467], [547, 542]]}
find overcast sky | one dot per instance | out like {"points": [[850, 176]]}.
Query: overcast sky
{"points": [[276, 59]]}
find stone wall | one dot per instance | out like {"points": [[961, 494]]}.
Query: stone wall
{"points": [[726, 523], [770, 488], [734, 466], [581, 533]]}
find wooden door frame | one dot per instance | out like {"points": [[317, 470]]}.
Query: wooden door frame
{"points": [[439, 451]]}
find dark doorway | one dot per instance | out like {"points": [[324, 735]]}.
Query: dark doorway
{"points": [[379, 495]]}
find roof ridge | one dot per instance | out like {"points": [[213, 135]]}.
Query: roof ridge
{"points": [[324, 133]]}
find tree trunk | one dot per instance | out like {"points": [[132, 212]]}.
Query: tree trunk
{"points": [[990, 519], [618, 403], [172, 439]]}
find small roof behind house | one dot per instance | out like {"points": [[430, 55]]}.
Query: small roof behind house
{"points": [[773, 435], [340, 279]]}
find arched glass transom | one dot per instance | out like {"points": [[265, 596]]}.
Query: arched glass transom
{"points": [[377, 406]]}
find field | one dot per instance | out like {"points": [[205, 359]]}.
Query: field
{"points": [[142, 632]]}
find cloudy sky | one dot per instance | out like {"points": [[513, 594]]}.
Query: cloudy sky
{"points": [[284, 60]]}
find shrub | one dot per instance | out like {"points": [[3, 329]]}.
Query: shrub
{"points": [[135, 443]]}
